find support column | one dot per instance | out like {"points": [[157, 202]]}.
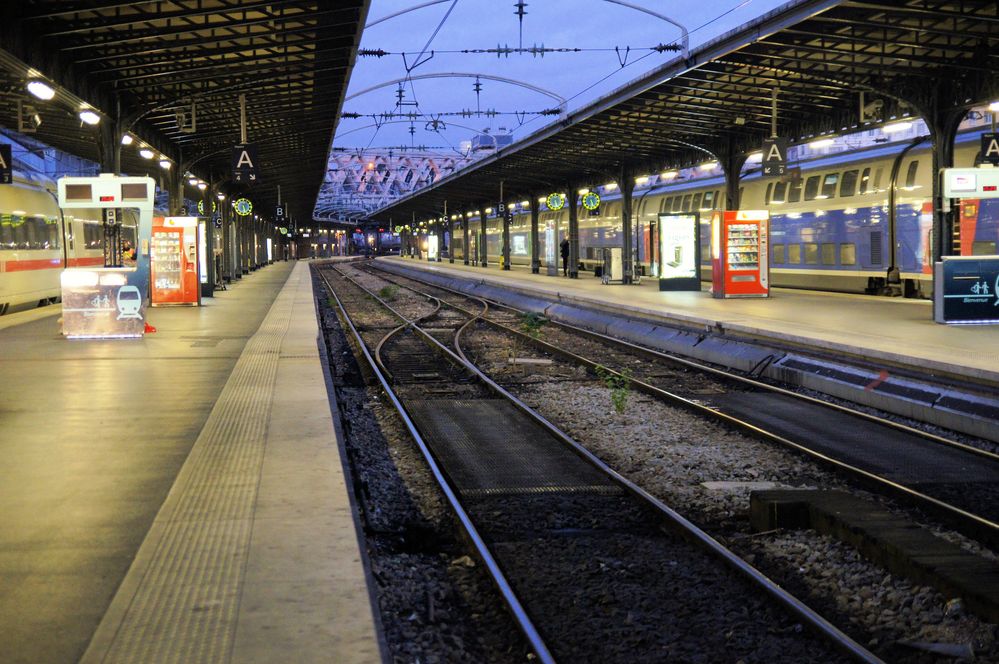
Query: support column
{"points": [[466, 221], [943, 131], [506, 240], [450, 234], [439, 230], [626, 183], [483, 245], [732, 162], [535, 238], [570, 200]]}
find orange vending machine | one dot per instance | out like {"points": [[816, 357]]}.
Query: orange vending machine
{"points": [[739, 254], [174, 270]]}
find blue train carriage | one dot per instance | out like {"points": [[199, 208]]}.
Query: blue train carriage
{"points": [[832, 228]]}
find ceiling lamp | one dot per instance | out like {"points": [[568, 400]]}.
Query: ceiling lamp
{"points": [[89, 117], [41, 89], [896, 127], [202, 186], [165, 164], [708, 165], [146, 153], [126, 139], [821, 143]]}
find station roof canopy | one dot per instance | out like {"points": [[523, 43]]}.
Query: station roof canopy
{"points": [[160, 66], [927, 58]]}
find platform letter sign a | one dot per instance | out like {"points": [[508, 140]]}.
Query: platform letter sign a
{"points": [[774, 157], [990, 148], [244, 163], [6, 165]]}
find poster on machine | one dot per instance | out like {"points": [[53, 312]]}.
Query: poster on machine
{"points": [[679, 252]]}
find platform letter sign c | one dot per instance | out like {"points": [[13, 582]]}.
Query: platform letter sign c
{"points": [[244, 163], [6, 165], [990, 148]]}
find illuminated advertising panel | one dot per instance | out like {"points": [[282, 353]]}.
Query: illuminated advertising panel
{"points": [[679, 252]]}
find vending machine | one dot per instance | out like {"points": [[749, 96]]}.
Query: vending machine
{"points": [[174, 271], [739, 254]]}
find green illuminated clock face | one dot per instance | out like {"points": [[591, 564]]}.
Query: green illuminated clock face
{"points": [[243, 206], [201, 207], [591, 201], [555, 201]]}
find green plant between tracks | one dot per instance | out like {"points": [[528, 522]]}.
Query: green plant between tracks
{"points": [[531, 323], [619, 385], [388, 292]]}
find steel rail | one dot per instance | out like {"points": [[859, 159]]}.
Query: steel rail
{"points": [[513, 603], [975, 524], [733, 377], [685, 527]]}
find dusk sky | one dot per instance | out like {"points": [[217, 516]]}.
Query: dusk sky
{"points": [[479, 24]]}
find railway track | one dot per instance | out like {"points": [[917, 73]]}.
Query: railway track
{"points": [[956, 482], [592, 567]]}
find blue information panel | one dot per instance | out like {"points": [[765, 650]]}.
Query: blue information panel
{"points": [[966, 290]]}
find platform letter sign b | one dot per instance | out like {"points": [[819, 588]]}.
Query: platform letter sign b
{"points": [[990, 148], [244, 163], [774, 157], [6, 165]]}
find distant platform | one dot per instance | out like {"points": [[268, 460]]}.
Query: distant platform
{"points": [[896, 331]]}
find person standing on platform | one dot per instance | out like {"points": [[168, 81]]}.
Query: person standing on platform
{"points": [[564, 247]]}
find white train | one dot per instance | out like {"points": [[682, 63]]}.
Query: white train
{"points": [[843, 225], [37, 241]]}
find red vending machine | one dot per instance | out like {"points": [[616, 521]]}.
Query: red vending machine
{"points": [[739, 254], [174, 270]]}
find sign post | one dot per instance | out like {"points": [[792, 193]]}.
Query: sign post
{"points": [[244, 163], [6, 164], [774, 156]]}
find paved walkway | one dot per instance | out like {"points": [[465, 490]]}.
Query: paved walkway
{"points": [[179, 498]]}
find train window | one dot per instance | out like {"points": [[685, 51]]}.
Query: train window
{"points": [[847, 253], [828, 253], [766, 197], [709, 200], [794, 191], [696, 203], [848, 187], [877, 180], [780, 191], [667, 204], [829, 185], [686, 203], [794, 253], [983, 248], [717, 200], [778, 251], [812, 253], [812, 188], [865, 181], [910, 175], [677, 201]]}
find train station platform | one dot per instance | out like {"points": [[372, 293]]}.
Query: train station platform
{"points": [[895, 331], [179, 498]]}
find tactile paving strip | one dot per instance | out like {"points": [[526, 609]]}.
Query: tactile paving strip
{"points": [[183, 607], [488, 447]]}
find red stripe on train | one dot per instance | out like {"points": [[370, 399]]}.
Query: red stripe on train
{"points": [[37, 264], [92, 261], [52, 264]]}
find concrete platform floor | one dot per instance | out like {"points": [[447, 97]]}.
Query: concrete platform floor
{"points": [[895, 330], [93, 439]]}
